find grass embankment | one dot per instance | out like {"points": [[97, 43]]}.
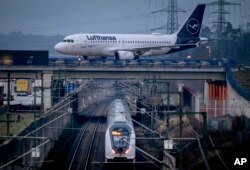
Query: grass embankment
{"points": [[17, 124], [243, 78]]}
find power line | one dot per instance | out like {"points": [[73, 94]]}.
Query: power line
{"points": [[172, 20], [221, 21], [172, 23]]}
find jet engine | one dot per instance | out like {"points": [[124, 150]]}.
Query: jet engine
{"points": [[125, 55]]}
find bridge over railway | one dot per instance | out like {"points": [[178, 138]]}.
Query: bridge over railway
{"points": [[115, 72], [207, 70]]}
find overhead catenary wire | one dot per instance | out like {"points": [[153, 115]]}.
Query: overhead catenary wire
{"points": [[169, 136], [202, 153], [217, 153], [147, 154], [197, 134], [26, 153]]}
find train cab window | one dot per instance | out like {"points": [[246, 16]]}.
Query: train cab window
{"points": [[120, 137]]}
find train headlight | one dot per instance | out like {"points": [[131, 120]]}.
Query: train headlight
{"points": [[113, 151], [126, 152]]}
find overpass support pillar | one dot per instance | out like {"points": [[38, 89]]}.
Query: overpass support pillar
{"points": [[47, 78], [180, 87], [197, 97]]}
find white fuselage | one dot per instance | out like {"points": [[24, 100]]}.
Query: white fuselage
{"points": [[107, 44], [132, 46]]}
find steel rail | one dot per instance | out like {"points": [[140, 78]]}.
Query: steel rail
{"points": [[79, 143], [91, 145]]}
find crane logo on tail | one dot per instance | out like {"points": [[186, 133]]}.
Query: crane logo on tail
{"points": [[193, 26]]}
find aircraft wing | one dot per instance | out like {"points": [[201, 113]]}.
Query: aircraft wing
{"points": [[141, 50]]}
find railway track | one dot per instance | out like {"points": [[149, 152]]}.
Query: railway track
{"points": [[86, 140]]}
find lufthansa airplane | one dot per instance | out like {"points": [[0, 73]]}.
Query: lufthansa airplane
{"points": [[132, 46]]}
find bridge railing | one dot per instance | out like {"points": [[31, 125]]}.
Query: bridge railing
{"points": [[178, 63]]}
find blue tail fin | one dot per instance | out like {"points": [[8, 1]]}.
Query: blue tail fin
{"points": [[190, 30]]}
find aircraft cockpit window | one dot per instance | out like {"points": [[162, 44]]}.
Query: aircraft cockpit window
{"points": [[68, 40]]}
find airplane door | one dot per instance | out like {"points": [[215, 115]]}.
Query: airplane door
{"points": [[84, 43]]}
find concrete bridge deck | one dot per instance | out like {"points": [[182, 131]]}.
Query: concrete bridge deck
{"points": [[118, 72]]}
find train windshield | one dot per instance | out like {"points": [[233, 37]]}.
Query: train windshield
{"points": [[120, 137]]}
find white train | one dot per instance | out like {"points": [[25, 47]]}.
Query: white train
{"points": [[120, 135]]}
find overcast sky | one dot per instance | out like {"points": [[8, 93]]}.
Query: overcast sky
{"points": [[63, 17]]}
